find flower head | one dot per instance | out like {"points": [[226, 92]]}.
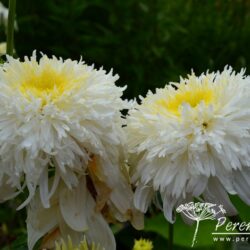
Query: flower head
{"points": [[61, 137], [73, 213], [143, 244], [58, 118], [192, 138]]}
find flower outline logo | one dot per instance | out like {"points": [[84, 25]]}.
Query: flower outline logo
{"points": [[199, 211]]}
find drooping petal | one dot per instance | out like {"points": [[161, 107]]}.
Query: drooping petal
{"points": [[241, 184], [44, 189], [73, 206], [40, 220], [99, 230], [7, 191], [143, 196], [168, 205], [217, 194]]}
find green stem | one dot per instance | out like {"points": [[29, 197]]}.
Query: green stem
{"points": [[10, 28], [171, 236]]}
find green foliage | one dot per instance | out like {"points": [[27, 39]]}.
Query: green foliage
{"points": [[19, 244], [12, 227]]}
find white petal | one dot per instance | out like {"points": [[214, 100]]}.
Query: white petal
{"points": [[241, 184], [44, 188], [168, 206], [217, 194], [55, 184], [143, 196], [31, 189], [39, 221], [66, 232], [73, 206], [137, 219], [99, 230], [7, 191], [196, 185]]}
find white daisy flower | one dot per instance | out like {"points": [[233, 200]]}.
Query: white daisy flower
{"points": [[72, 214], [56, 118], [192, 139]]}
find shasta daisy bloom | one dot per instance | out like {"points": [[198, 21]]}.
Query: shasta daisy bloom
{"points": [[73, 213], [192, 139], [57, 117]]}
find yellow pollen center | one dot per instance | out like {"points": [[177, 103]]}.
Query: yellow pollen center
{"points": [[192, 94], [46, 84], [143, 244]]}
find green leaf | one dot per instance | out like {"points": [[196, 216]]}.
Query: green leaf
{"points": [[242, 208], [20, 243]]}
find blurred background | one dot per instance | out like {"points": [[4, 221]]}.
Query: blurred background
{"points": [[148, 43]]}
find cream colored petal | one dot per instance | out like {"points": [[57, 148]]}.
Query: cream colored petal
{"points": [[40, 220], [44, 188], [217, 194], [6, 190], [137, 219], [241, 184], [73, 206], [99, 230], [66, 232], [169, 203], [143, 196]]}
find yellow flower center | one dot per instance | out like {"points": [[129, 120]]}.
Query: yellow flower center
{"points": [[192, 93], [45, 84], [143, 244]]}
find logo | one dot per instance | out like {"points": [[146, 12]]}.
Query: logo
{"points": [[198, 211]]}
